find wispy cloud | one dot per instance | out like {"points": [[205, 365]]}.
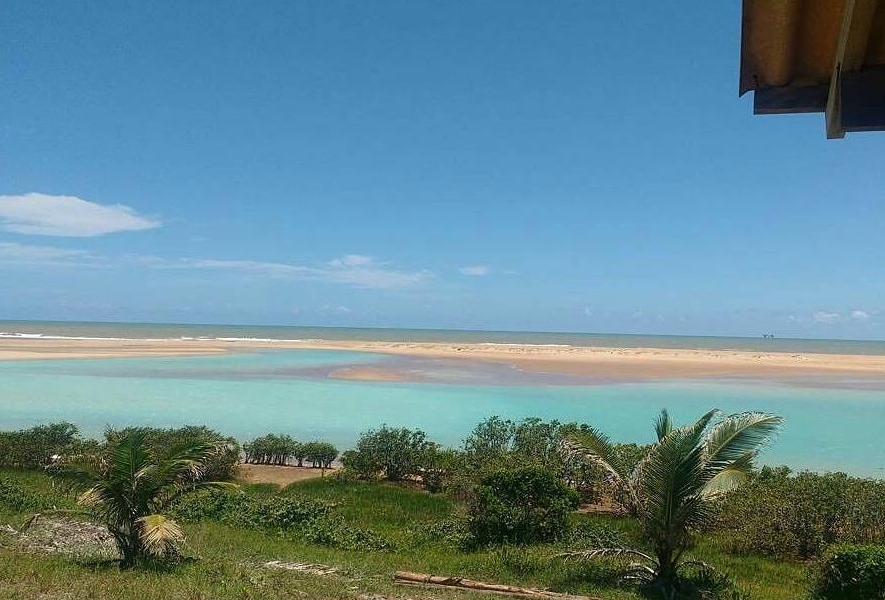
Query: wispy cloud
{"points": [[825, 317], [67, 216], [352, 269], [25, 254], [860, 315], [475, 270], [334, 309]]}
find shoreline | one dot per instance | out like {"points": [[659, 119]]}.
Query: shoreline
{"points": [[622, 363]]}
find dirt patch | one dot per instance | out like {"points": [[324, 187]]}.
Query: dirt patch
{"points": [[63, 536], [281, 476]]}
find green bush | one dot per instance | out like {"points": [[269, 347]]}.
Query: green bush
{"points": [[452, 532], [785, 515], [251, 511], [520, 506], [272, 449], [320, 454], [851, 572], [335, 533], [165, 442], [36, 447], [440, 467], [16, 499], [393, 453]]}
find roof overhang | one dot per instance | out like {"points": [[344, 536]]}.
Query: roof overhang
{"points": [[828, 56]]}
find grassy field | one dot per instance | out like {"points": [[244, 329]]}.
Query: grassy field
{"points": [[229, 562]]}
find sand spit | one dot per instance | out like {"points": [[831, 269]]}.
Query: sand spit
{"points": [[622, 363]]}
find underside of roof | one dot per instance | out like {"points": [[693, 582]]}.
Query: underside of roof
{"points": [[816, 56]]}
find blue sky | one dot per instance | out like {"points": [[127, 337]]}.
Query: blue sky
{"points": [[569, 165]]}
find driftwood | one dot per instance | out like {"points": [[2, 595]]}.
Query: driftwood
{"points": [[409, 578]]}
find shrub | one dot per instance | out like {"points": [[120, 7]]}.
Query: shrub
{"points": [[439, 468], [272, 449], [35, 447], [335, 533], [395, 453], [15, 498], [453, 532], [251, 511], [320, 454], [784, 515], [220, 466], [520, 506], [498, 443], [851, 572]]}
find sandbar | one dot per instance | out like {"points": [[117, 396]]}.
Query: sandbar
{"points": [[617, 363]]}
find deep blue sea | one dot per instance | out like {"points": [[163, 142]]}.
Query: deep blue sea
{"points": [[829, 425]]}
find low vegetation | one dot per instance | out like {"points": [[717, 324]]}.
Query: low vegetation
{"points": [[501, 508], [786, 515]]}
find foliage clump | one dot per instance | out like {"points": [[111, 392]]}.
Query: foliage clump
{"points": [[38, 446], [14, 498], [128, 486], [520, 506], [334, 532], [851, 572], [275, 512], [392, 453], [218, 465], [672, 489], [784, 515]]}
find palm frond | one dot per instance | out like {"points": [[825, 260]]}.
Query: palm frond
{"points": [[663, 424], [738, 436], [596, 447], [160, 535], [669, 480], [610, 552], [728, 478]]}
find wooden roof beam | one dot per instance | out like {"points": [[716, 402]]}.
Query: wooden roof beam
{"points": [[857, 17]]}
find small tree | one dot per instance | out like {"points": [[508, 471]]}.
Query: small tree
{"points": [[320, 454], [671, 488], [520, 506], [128, 487], [394, 453], [221, 465], [440, 465], [271, 449]]}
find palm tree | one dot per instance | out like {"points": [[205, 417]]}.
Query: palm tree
{"points": [[671, 489], [128, 488]]}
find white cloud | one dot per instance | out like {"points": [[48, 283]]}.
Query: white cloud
{"points": [[24, 254], [67, 216], [354, 270], [351, 260], [860, 315], [475, 270], [823, 316], [333, 309]]}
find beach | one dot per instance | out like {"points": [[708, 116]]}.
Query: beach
{"points": [[615, 363]]}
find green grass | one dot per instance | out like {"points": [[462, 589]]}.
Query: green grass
{"points": [[226, 561]]}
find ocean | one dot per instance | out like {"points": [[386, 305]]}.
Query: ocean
{"points": [[828, 427]]}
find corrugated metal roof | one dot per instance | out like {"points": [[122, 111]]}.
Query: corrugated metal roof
{"points": [[791, 50]]}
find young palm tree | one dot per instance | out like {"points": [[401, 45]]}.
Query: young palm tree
{"points": [[670, 490], [128, 488]]}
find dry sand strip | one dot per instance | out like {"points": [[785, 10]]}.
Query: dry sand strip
{"points": [[573, 360]]}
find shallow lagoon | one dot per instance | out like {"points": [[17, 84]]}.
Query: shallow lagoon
{"points": [[245, 395]]}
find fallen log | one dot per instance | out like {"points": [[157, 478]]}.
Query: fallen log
{"points": [[409, 578]]}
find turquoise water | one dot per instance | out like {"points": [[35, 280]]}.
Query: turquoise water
{"points": [[289, 391]]}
